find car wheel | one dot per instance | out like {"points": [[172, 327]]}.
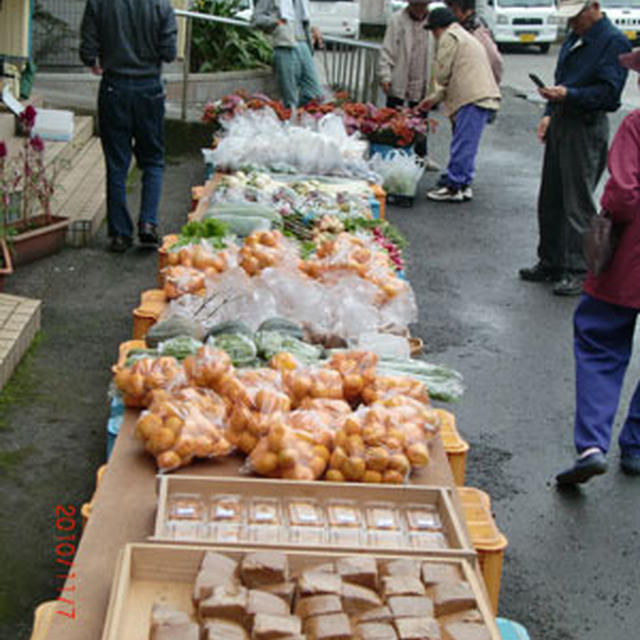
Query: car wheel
{"points": [[544, 47]]}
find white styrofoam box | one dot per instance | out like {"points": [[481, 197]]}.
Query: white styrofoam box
{"points": [[54, 124]]}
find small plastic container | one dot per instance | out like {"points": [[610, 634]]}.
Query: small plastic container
{"points": [[486, 538], [227, 518], [345, 523], [186, 516], [433, 540], [265, 521], [455, 447], [384, 528], [305, 521], [422, 517]]}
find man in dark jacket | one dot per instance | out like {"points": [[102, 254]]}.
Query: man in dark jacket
{"points": [[126, 42], [575, 130]]}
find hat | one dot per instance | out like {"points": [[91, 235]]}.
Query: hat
{"points": [[439, 17], [631, 60], [571, 8]]}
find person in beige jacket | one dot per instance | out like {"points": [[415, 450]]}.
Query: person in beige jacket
{"points": [[467, 87], [404, 64]]}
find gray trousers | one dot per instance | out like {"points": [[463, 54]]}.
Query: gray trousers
{"points": [[575, 157]]}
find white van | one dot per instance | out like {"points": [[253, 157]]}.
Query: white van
{"points": [[521, 21], [625, 14], [339, 18]]}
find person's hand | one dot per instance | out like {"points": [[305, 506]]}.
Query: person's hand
{"points": [[554, 94], [425, 105], [96, 70], [316, 37], [386, 87], [282, 21], [543, 125]]}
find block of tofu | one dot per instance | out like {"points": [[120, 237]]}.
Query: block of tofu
{"points": [[362, 570], [434, 572], [376, 631], [216, 570], [335, 626], [379, 614], [423, 628], [402, 586], [409, 568], [267, 627], [318, 605], [466, 631], [268, 603], [410, 606], [264, 567], [179, 631], [284, 590], [311, 583], [218, 629], [451, 597], [228, 603], [357, 599], [473, 615], [327, 567], [162, 614]]}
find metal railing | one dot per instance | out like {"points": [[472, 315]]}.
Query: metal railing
{"points": [[347, 65]]}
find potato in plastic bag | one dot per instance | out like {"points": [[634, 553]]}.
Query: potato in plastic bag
{"points": [[143, 376], [181, 426]]}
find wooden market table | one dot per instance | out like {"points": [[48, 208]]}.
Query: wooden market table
{"points": [[123, 511]]}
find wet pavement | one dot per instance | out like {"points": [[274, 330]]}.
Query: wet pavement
{"points": [[571, 569]]}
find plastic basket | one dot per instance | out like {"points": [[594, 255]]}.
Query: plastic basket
{"points": [[114, 423], [400, 200], [152, 305], [486, 538], [385, 149], [455, 447], [510, 630]]}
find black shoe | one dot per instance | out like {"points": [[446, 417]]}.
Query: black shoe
{"points": [[148, 234], [540, 273], [119, 244], [583, 469], [630, 464], [569, 285]]}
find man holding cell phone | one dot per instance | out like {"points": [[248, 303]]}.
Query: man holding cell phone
{"points": [[575, 131]]}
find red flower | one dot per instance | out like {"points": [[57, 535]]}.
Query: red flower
{"points": [[3, 150], [37, 144], [28, 117]]}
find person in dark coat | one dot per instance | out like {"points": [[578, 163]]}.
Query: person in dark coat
{"points": [[605, 318]]}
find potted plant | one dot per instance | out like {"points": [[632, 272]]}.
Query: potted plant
{"points": [[34, 232]]}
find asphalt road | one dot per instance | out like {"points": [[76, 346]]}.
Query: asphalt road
{"points": [[571, 569]]}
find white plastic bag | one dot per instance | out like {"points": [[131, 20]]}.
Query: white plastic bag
{"points": [[400, 171]]}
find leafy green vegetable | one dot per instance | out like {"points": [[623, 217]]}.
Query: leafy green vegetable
{"points": [[282, 325], [270, 343], [179, 347], [240, 347]]}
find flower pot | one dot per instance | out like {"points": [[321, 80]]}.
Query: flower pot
{"points": [[39, 240], [6, 268]]}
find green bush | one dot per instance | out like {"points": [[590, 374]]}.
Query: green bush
{"points": [[224, 47]]}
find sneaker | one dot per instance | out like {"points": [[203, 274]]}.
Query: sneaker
{"points": [[445, 194], [148, 234], [569, 285], [467, 193], [119, 244], [540, 273]]}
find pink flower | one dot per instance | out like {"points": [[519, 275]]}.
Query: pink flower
{"points": [[37, 144], [28, 117], [3, 150]]}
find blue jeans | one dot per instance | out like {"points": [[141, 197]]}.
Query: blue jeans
{"points": [[131, 117], [468, 126], [296, 74], [603, 339]]}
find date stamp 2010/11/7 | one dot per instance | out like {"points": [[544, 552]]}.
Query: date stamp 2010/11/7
{"points": [[65, 550]]}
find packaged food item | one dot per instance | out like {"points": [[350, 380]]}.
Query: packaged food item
{"points": [[200, 255], [357, 368], [345, 523], [305, 521], [137, 381], [209, 367], [312, 382], [384, 386], [262, 249], [428, 540], [180, 426], [186, 516], [264, 568], [265, 520], [422, 518], [227, 519], [418, 628], [291, 454], [383, 525], [452, 597], [179, 281]]}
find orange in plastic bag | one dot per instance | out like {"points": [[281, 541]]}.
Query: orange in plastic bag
{"points": [[180, 280]]}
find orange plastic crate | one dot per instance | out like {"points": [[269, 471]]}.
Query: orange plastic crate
{"points": [[381, 196], [152, 305], [487, 539], [163, 251], [455, 446], [42, 617]]}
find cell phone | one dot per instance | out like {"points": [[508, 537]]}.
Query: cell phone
{"points": [[537, 80]]}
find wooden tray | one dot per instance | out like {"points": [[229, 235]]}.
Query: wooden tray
{"points": [[312, 537], [150, 573]]}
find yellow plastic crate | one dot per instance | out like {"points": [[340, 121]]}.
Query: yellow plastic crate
{"points": [[455, 447], [487, 539], [152, 305]]}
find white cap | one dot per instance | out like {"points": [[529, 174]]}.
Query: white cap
{"points": [[571, 8]]}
